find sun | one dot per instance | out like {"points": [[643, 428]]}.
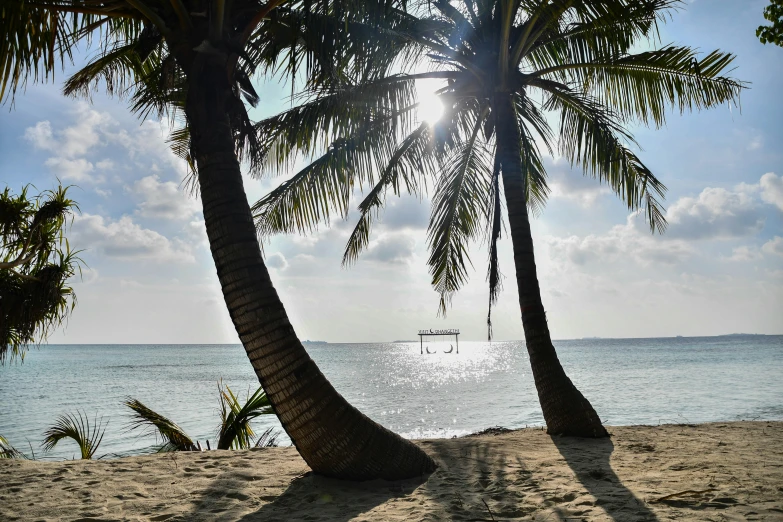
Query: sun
{"points": [[430, 108]]}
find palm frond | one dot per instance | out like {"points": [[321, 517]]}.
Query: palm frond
{"points": [[359, 41], [235, 430], [412, 160], [78, 428], [495, 220], [591, 137], [599, 35], [174, 438], [324, 187], [118, 67], [336, 113], [645, 85], [39, 37], [267, 439], [7, 451], [459, 208]]}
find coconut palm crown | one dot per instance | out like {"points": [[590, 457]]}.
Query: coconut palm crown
{"points": [[512, 68], [195, 58]]}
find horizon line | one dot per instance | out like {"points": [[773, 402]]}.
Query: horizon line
{"points": [[589, 338]]}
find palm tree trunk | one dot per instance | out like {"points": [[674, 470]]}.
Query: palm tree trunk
{"points": [[566, 410], [332, 436]]}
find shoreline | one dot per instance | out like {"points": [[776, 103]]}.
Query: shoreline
{"points": [[733, 471]]}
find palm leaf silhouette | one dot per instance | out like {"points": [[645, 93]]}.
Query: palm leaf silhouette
{"points": [[77, 427], [174, 437]]}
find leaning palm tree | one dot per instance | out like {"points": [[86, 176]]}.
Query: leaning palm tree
{"points": [[36, 263], [507, 66], [196, 58]]}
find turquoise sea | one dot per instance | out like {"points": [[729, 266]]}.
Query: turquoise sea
{"points": [[629, 381]]}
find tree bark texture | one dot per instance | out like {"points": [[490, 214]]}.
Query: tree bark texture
{"points": [[566, 410], [332, 436]]}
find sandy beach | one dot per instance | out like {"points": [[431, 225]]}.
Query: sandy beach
{"points": [[719, 471]]}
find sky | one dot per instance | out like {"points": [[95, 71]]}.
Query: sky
{"points": [[149, 276]]}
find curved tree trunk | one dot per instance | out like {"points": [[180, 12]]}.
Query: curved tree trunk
{"points": [[566, 410], [332, 436]]}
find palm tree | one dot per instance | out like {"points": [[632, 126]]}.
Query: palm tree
{"points": [[196, 58], [507, 65], [36, 262]]}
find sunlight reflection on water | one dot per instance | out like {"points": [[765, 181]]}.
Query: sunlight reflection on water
{"points": [[629, 381]]}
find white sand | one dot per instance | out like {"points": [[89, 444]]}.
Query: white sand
{"points": [[522, 475]]}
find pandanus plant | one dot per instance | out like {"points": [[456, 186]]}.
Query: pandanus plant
{"points": [[511, 68], [196, 58], [36, 262]]}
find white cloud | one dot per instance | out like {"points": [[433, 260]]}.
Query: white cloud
{"points": [[78, 139], [75, 140], [77, 170], [391, 248], [772, 189], [744, 253], [773, 246], [106, 164], [571, 184], [163, 199], [716, 213], [196, 233], [407, 212], [70, 144], [277, 261], [147, 145], [41, 135], [621, 243], [124, 239]]}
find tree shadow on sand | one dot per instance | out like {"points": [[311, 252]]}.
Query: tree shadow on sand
{"points": [[308, 497], [474, 480], [589, 460]]}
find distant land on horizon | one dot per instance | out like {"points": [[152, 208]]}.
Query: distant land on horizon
{"points": [[307, 341]]}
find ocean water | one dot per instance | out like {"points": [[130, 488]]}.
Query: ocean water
{"points": [[628, 381]]}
